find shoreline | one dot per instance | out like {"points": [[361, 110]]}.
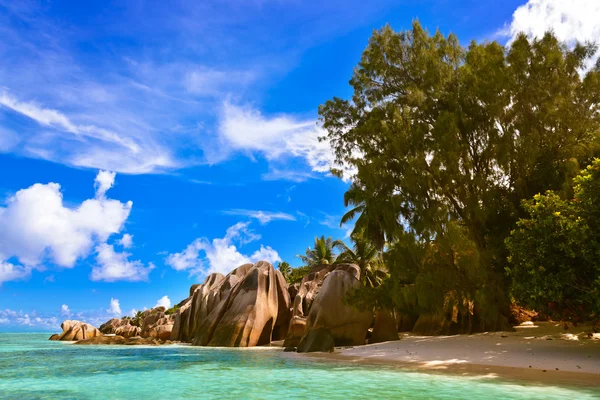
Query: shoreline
{"points": [[515, 375], [541, 355]]}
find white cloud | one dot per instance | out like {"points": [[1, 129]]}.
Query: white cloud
{"points": [[104, 181], [263, 217], [126, 241], [133, 312], [88, 145], [64, 310], [275, 174], [35, 224], [247, 129], [114, 308], [164, 302], [571, 21], [28, 320], [56, 119], [221, 254], [114, 266], [11, 272]]}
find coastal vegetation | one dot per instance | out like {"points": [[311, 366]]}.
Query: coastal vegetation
{"points": [[449, 146]]}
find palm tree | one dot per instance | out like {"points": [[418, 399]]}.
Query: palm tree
{"points": [[285, 269], [321, 253], [376, 215], [367, 256]]}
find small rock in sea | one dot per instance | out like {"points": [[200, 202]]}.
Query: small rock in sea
{"points": [[557, 369], [530, 366], [544, 370]]}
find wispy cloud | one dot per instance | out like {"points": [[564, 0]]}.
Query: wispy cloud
{"points": [[246, 129], [264, 217], [150, 106]]}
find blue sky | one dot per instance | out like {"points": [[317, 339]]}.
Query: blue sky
{"points": [[144, 144]]}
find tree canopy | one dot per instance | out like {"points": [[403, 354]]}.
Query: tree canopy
{"points": [[448, 140]]}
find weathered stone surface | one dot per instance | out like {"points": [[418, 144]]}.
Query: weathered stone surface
{"points": [[54, 337], [248, 307], [304, 294], [295, 331], [328, 313], [110, 326], [406, 322], [157, 324], [120, 340], [128, 331], [195, 308], [385, 328], [103, 340], [318, 339], [77, 330], [250, 312]]}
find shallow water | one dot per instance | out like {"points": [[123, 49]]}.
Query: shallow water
{"points": [[32, 367]]}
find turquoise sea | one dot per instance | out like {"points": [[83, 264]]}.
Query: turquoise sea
{"points": [[31, 367]]}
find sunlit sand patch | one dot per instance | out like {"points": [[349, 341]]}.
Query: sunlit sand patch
{"points": [[444, 363]]}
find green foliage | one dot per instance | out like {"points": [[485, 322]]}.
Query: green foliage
{"points": [[137, 319], [285, 269], [368, 258], [448, 140], [322, 252], [172, 310], [296, 274], [555, 252]]}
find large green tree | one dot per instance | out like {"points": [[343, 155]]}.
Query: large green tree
{"points": [[455, 137]]}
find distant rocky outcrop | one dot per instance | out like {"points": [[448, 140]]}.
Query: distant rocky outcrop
{"points": [[248, 307], [153, 323], [116, 339], [76, 330]]}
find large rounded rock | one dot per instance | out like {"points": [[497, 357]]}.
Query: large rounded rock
{"points": [[110, 326], [249, 314], [318, 339], [248, 307], [346, 325], [77, 330], [304, 294], [385, 328], [128, 331], [195, 308]]}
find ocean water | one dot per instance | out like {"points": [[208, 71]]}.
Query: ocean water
{"points": [[32, 367]]}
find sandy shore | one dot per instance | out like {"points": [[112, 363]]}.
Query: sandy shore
{"points": [[543, 352]]}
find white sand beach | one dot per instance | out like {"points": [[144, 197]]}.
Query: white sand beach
{"points": [[542, 351]]}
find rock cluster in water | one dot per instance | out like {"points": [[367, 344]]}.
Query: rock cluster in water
{"points": [[154, 323], [76, 330], [252, 306]]}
